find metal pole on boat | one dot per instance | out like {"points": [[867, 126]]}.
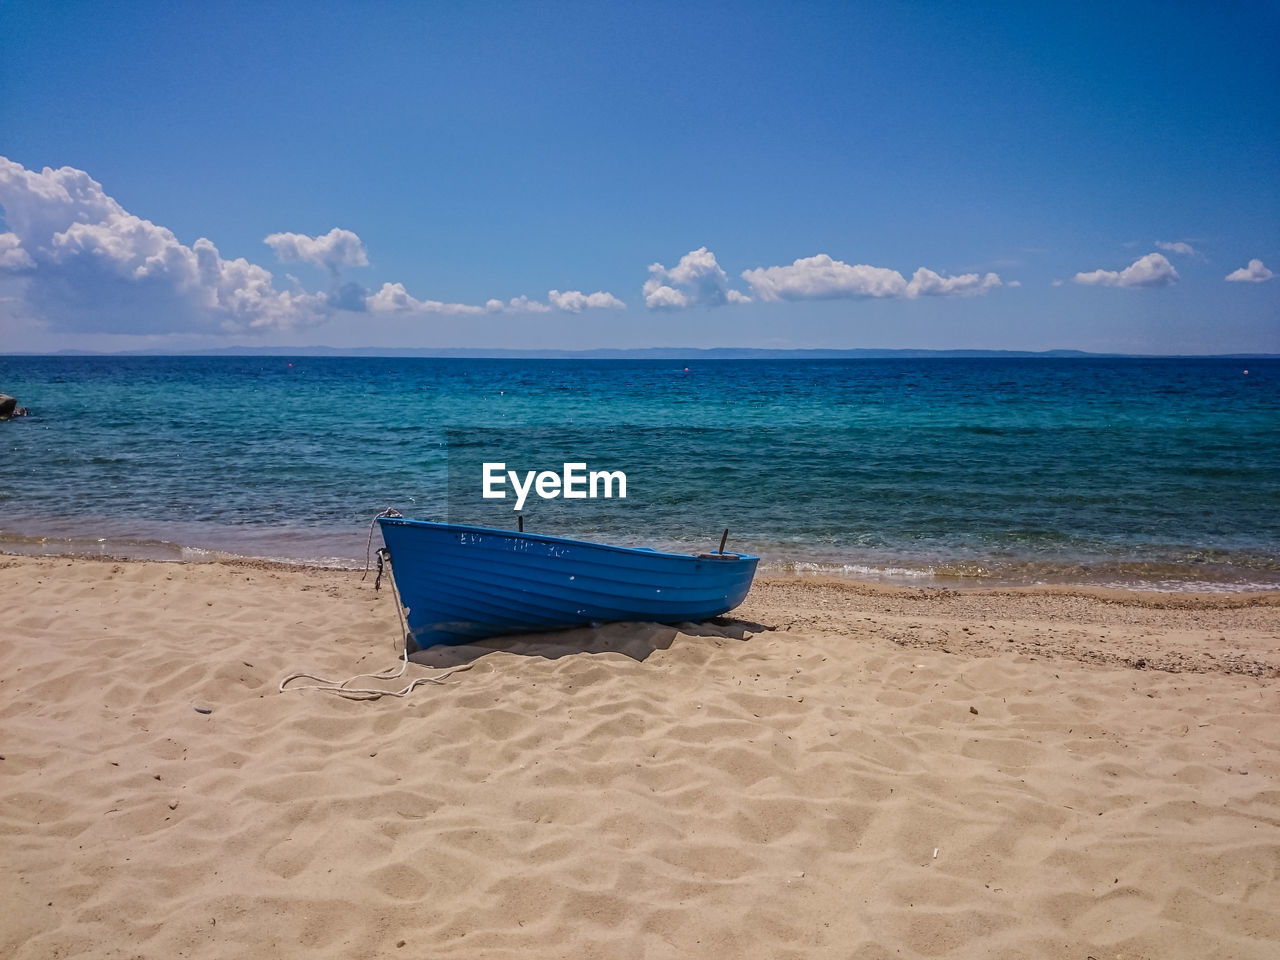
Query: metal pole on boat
{"points": [[723, 538], [520, 521]]}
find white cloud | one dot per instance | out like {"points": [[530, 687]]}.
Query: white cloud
{"points": [[334, 250], [85, 264], [663, 297], [393, 298], [95, 267], [12, 256], [926, 283], [521, 304], [696, 280], [823, 278], [1178, 246], [1153, 270], [575, 301], [1255, 272]]}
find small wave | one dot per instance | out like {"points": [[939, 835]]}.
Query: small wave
{"points": [[963, 570], [129, 547], [1177, 571], [818, 568], [1165, 577], [1189, 586]]}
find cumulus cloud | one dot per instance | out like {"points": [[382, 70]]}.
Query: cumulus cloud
{"points": [[1153, 270], [1255, 272], [663, 297], [926, 283], [823, 278], [1178, 246], [347, 296], [393, 298], [342, 248], [12, 256], [696, 281], [575, 301], [519, 304], [333, 250], [92, 266], [85, 264]]}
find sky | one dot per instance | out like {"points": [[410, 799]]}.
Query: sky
{"points": [[1090, 176]]}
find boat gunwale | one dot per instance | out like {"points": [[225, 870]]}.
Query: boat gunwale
{"points": [[551, 539]]}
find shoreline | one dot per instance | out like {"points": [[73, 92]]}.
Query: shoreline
{"points": [[1135, 596], [1108, 576]]}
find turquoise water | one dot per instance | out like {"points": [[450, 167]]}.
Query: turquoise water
{"points": [[1151, 473]]}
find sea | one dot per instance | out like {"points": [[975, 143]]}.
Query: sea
{"points": [[1157, 474]]}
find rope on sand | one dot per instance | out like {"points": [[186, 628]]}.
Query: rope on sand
{"points": [[339, 687]]}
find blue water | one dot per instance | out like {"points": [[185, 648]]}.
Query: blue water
{"points": [[1151, 473]]}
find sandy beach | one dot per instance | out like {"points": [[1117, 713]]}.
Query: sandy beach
{"points": [[834, 770]]}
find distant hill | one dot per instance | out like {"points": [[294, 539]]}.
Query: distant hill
{"points": [[643, 353]]}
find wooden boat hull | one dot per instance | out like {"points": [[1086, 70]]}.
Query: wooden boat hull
{"points": [[461, 583]]}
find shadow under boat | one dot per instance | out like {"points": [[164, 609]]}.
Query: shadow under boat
{"points": [[634, 640]]}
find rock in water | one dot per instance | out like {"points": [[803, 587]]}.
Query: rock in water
{"points": [[9, 407]]}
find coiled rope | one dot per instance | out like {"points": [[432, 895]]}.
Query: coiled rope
{"points": [[340, 687]]}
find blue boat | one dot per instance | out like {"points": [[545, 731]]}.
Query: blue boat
{"points": [[460, 583]]}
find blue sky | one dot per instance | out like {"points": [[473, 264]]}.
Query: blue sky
{"points": [[505, 174]]}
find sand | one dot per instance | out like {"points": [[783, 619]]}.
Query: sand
{"points": [[835, 770]]}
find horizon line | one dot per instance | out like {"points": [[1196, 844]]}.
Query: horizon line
{"points": [[637, 353]]}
